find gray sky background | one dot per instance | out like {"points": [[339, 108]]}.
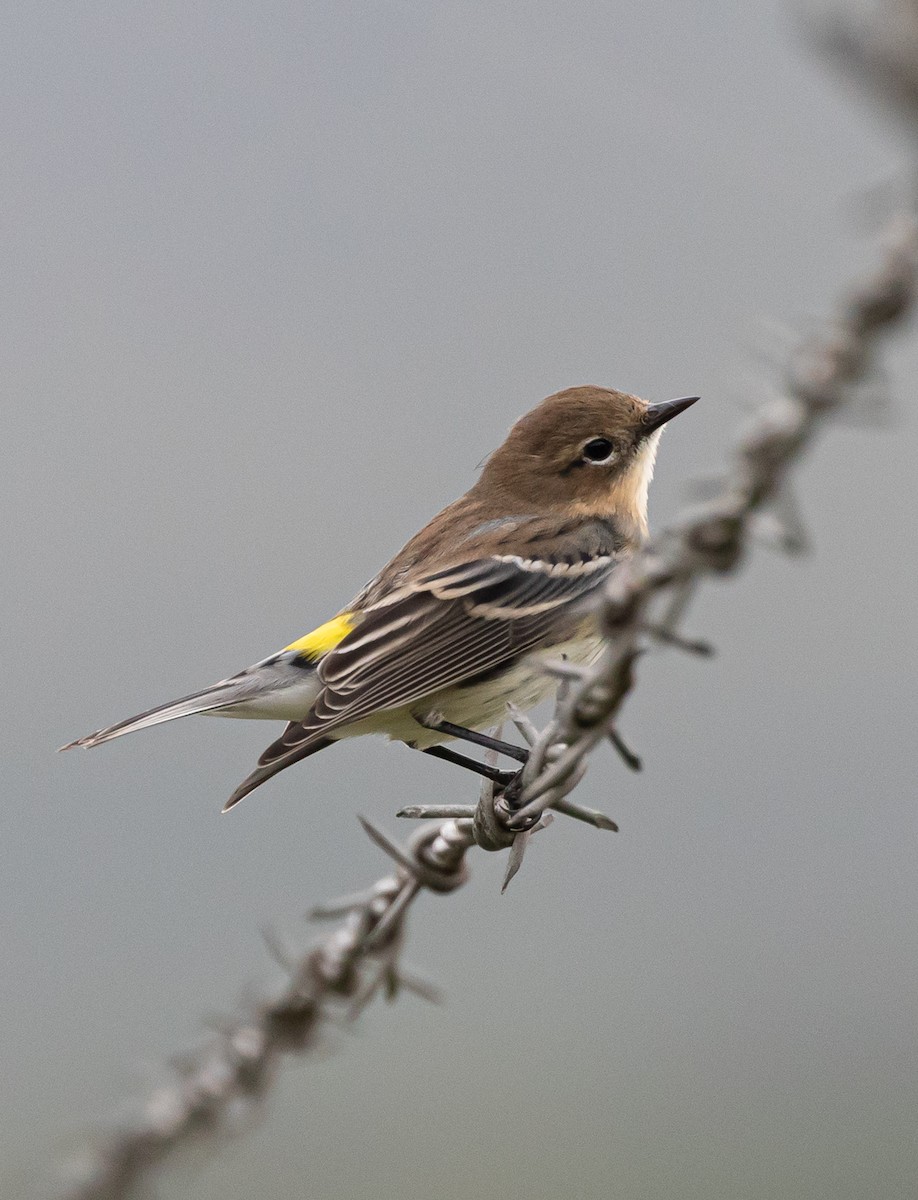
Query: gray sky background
{"points": [[263, 264]]}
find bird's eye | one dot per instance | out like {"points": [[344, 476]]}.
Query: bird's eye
{"points": [[598, 450]]}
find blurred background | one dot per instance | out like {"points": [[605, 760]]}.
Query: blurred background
{"points": [[263, 263]]}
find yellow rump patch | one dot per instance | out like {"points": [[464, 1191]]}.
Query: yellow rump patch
{"points": [[318, 643]]}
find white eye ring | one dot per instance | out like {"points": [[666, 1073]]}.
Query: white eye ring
{"points": [[598, 451]]}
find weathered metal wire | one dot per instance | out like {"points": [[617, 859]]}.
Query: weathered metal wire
{"points": [[645, 600], [360, 957]]}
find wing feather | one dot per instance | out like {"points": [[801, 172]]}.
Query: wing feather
{"points": [[443, 628]]}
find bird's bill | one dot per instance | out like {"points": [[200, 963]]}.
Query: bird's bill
{"points": [[658, 414]]}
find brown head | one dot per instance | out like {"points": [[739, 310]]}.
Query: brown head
{"points": [[586, 450]]}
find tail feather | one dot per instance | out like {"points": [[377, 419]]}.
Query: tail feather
{"points": [[217, 696], [275, 689], [267, 769]]}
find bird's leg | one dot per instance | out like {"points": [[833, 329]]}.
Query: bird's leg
{"points": [[438, 725], [501, 778]]}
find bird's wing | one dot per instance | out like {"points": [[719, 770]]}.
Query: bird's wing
{"points": [[443, 628], [448, 627]]}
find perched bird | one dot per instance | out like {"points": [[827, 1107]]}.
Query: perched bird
{"points": [[453, 627]]}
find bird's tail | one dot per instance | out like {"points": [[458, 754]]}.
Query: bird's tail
{"points": [[275, 689], [207, 700], [269, 766]]}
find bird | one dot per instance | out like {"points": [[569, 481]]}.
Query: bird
{"points": [[458, 624]]}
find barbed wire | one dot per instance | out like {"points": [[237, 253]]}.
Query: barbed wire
{"points": [[645, 599]]}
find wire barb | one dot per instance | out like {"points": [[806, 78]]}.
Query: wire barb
{"points": [[424, 812], [360, 957]]}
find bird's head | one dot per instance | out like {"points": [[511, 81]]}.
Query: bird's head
{"points": [[586, 451]]}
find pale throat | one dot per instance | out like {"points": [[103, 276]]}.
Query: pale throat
{"points": [[639, 478], [627, 495]]}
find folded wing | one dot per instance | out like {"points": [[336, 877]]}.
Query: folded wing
{"points": [[440, 629]]}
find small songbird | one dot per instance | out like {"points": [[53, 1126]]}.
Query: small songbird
{"points": [[454, 626]]}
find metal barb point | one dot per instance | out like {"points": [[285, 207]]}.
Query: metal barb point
{"points": [[524, 726], [282, 954], [425, 812], [392, 917], [519, 847], [387, 845], [515, 857], [412, 981], [628, 756], [342, 905], [689, 645], [562, 669], [590, 816], [780, 524]]}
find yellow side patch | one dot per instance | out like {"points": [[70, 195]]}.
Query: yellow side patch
{"points": [[318, 643]]}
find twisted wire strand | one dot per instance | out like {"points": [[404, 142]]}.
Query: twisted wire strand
{"points": [[646, 598], [360, 957]]}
